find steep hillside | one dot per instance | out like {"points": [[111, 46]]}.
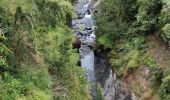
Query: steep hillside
{"points": [[37, 61], [130, 59], [137, 34]]}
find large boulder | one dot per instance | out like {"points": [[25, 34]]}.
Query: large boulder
{"points": [[76, 42]]}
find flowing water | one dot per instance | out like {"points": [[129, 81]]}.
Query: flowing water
{"points": [[96, 65], [84, 30]]}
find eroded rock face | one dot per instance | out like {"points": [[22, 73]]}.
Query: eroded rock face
{"points": [[113, 88]]}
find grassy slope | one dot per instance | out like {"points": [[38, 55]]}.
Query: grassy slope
{"points": [[140, 81], [140, 58], [36, 40]]}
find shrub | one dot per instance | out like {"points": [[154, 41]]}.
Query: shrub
{"points": [[165, 88], [166, 33], [147, 16], [39, 30], [106, 41], [127, 54], [164, 17], [9, 88], [156, 71], [99, 94], [33, 84]]}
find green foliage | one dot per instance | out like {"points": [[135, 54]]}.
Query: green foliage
{"points": [[164, 17], [56, 48], [99, 95], [138, 88], [164, 89], [164, 20], [4, 52], [119, 19], [156, 71], [35, 38], [58, 43], [166, 33], [123, 26], [9, 87], [127, 56], [147, 16], [111, 20], [34, 85], [165, 85], [73, 84], [106, 41]]}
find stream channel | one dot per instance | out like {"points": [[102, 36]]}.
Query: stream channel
{"points": [[96, 64]]}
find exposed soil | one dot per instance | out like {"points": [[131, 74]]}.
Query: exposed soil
{"points": [[139, 81]]}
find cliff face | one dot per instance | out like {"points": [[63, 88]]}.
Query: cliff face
{"points": [[113, 88]]}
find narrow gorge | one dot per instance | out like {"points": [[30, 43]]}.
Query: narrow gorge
{"points": [[84, 49], [96, 65]]}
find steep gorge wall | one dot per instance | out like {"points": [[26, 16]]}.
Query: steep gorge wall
{"points": [[113, 88]]}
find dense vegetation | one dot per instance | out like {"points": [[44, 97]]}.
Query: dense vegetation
{"points": [[37, 61], [123, 27]]}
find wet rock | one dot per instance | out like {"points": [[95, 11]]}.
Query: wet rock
{"points": [[115, 90], [81, 15], [83, 37], [134, 97]]}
